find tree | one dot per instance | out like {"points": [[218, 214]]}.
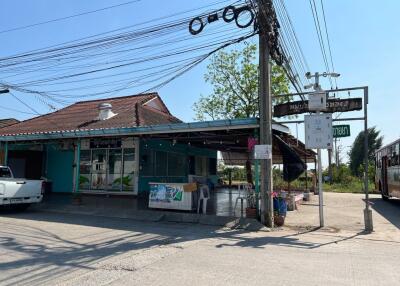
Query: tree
{"points": [[234, 77], [357, 149]]}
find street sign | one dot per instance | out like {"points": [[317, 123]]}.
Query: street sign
{"points": [[318, 131], [341, 131], [262, 152], [317, 101], [332, 105]]}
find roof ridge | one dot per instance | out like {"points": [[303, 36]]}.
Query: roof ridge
{"points": [[160, 112], [118, 97]]}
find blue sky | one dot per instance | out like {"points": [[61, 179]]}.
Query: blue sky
{"points": [[363, 34]]}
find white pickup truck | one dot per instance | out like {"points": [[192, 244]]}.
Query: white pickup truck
{"points": [[19, 193]]}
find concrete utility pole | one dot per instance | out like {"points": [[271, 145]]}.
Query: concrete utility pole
{"points": [[265, 101]]}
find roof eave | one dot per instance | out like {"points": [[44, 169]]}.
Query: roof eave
{"points": [[228, 124]]}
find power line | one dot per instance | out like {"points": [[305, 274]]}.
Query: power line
{"points": [[67, 17], [329, 43], [319, 36], [16, 110]]}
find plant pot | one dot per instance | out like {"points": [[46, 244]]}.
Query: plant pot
{"points": [[279, 220], [251, 213]]}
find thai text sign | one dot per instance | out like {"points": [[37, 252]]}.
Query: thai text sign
{"points": [[341, 131], [318, 131], [332, 105]]}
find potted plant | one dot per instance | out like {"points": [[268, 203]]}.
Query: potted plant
{"points": [[280, 209]]}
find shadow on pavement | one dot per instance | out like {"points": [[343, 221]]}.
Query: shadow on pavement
{"points": [[44, 255], [388, 209]]}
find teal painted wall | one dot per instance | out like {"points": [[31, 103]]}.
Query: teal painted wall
{"points": [[167, 146], [59, 169]]}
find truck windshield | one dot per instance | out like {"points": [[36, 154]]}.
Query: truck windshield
{"points": [[5, 172]]}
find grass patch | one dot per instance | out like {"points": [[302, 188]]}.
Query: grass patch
{"points": [[356, 187]]}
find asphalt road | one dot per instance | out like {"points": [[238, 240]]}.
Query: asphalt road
{"points": [[44, 248]]}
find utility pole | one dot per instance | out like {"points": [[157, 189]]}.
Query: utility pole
{"points": [[265, 101]]}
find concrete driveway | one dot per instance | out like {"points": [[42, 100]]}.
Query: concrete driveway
{"points": [[46, 248]]}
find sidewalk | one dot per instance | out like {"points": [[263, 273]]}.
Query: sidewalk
{"points": [[135, 209]]}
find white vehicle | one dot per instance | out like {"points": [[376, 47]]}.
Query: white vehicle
{"points": [[19, 193]]}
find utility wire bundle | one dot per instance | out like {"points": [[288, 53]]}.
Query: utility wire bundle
{"points": [[142, 57]]}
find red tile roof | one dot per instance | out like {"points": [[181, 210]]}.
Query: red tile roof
{"points": [[131, 112], [8, 122]]}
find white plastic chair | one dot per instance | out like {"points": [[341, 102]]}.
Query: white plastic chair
{"points": [[243, 193], [203, 196]]}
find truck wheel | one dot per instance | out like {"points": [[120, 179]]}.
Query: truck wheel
{"points": [[20, 207]]}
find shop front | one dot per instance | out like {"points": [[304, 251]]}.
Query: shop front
{"points": [[108, 165]]}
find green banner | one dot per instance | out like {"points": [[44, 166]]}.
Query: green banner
{"points": [[341, 131]]}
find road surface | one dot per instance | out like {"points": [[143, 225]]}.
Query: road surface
{"points": [[45, 248]]}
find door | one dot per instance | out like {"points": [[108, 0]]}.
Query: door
{"points": [[59, 169]]}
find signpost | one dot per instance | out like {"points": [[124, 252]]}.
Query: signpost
{"points": [[262, 152], [332, 105], [341, 131], [318, 131]]}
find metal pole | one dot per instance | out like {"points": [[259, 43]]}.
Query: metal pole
{"points": [[330, 165], [305, 160], [321, 197], [367, 212], [77, 166], [265, 102]]}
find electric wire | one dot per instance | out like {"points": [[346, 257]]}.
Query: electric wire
{"points": [[328, 41], [320, 38], [67, 17]]}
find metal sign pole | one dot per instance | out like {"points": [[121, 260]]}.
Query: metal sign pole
{"points": [[321, 197], [320, 194], [367, 212]]}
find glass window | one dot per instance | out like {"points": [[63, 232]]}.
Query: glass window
{"points": [[99, 161], [147, 162], [5, 172], [107, 169], [85, 162], [114, 169], [84, 169], [129, 161], [98, 181], [129, 168], [177, 164], [99, 169], [161, 163], [84, 181]]}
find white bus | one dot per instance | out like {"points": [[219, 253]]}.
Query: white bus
{"points": [[387, 175]]}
